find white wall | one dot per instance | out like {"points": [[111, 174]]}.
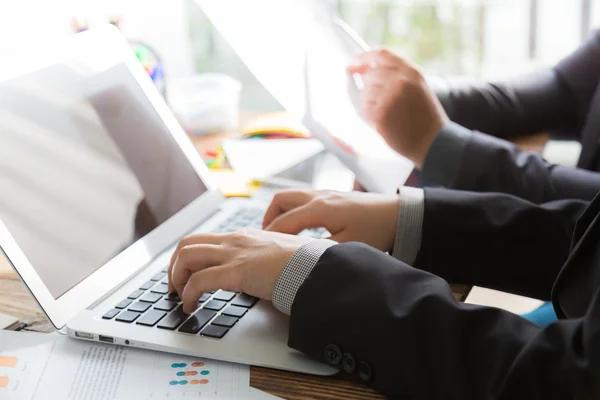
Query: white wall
{"points": [[160, 23]]}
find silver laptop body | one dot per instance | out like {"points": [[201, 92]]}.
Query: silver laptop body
{"points": [[99, 183]]}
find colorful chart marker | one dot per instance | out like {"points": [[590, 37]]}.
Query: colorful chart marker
{"points": [[8, 361], [205, 372], [173, 383], [178, 365], [187, 373], [183, 382], [198, 364], [199, 382]]}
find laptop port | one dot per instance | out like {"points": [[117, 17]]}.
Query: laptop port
{"points": [[84, 335], [106, 339]]}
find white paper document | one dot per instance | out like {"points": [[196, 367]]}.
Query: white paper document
{"points": [[260, 159], [506, 301], [47, 367], [299, 51]]}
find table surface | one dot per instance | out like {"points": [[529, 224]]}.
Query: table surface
{"points": [[16, 300]]}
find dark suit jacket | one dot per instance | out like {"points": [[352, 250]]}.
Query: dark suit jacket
{"points": [[565, 98], [400, 329]]}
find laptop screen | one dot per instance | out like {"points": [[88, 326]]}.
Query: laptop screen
{"points": [[87, 167]]}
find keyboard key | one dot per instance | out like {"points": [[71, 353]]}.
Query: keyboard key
{"points": [[234, 311], [197, 321], [158, 276], [215, 305], [173, 320], [140, 307], [162, 289], [128, 316], [111, 314], [151, 318], [244, 300], [135, 294], [123, 304], [147, 285], [165, 305], [224, 295], [223, 320], [214, 331], [204, 297], [151, 297]]}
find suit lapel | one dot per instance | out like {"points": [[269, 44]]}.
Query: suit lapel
{"points": [[570, 291], [590, 135], [585, 221]]}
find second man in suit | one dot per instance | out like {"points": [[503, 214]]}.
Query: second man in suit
{"points": [[396, 327]]}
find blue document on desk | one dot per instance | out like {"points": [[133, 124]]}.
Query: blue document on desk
{"points": [[299, 51]]}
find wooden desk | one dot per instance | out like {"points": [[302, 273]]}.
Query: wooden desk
{"points": [[16, 300]]}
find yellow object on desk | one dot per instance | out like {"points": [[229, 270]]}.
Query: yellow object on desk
{"points": [[277, 125], [234, 185]]}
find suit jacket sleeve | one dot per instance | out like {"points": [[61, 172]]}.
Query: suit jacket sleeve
{"points": [[496, 240], [491, 164], [552, 99], [403, 326]]}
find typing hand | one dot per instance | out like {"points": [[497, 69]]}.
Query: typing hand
{"points": [[350, 217], [248, 261], [399, 104]]}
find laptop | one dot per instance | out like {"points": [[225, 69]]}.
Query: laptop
{"points": [[99, 183]]}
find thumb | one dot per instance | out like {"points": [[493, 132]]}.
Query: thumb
{"points": [[360, 68]]}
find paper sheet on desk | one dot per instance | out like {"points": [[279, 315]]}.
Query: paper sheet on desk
{"points": [[261, 159], [47, 367], [506, 301]]}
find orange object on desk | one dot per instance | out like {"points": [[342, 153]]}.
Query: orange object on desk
{"points": [[8, 361]]}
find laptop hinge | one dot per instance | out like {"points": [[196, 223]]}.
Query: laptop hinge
{"points": [[119, 286], [148, 265]]}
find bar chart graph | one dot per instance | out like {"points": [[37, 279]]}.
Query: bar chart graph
{"points": [[6, 362]]}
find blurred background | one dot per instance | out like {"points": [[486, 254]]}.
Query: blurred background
{"points": [[482, 38]]}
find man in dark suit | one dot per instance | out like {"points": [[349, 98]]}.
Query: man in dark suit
{"points": [[556, 100], [562, 100], [396, 327]]}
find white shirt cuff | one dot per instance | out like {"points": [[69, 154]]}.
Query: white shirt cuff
{"points": [[410, 225], [297, 269]]}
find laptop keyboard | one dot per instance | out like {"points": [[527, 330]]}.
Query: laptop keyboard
{"points": [[152, 306]]}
